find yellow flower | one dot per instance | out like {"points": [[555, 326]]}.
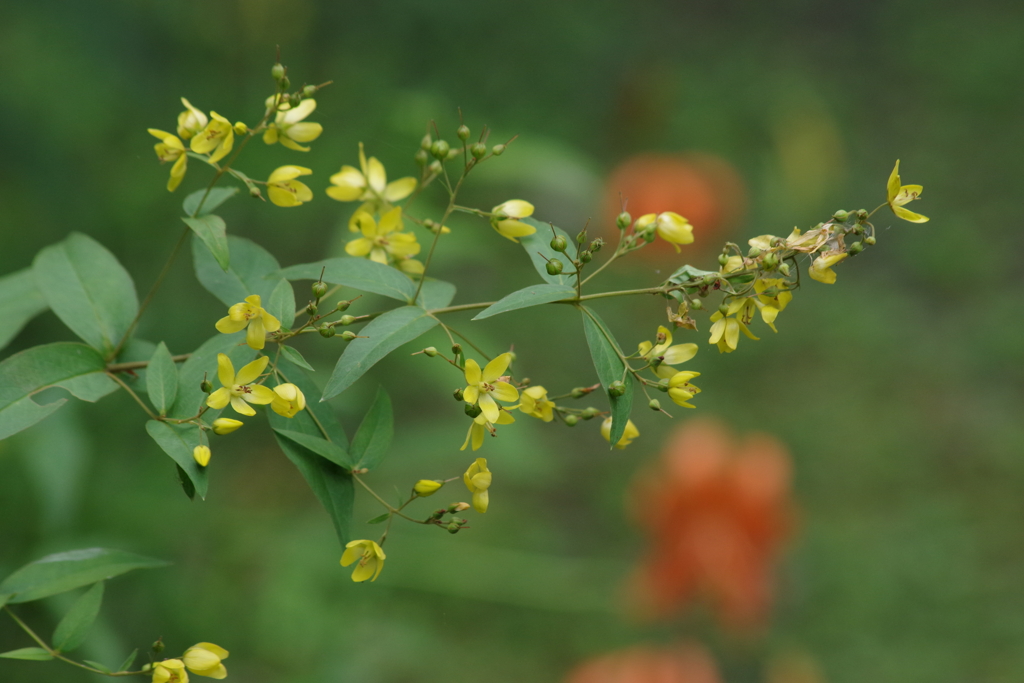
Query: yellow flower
{"points": [[201, 454], [170, 671], [725, 332], [680, 390], [369, 183], [534, 402], [807, 242], [239, 390], [771, 306], [627, 436], [670, 227], [480, 427], [505, 219], [478, 480], [821, 269], [204, 659], [170, 148], [289, 400], [898, 195], [190, 121], [384, 239], [251, 314], [289, 128], [427, 487], [665, 354], [216, 139], [371, 559], [225, 425], [484, 387], [284, 190]]}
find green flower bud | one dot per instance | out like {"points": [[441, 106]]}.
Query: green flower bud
{"points": [[586, 256], [554, 267], [456, 348], [841, 216], [478, 150], [473, 409], [206, 386], [277, 72], [458, 394], [697, 304], [452, 153], [856, 248], [589, 413], [596, 245], [319, 289], [723, 259], [578, 392], [558, 243], [440, 149], [309, 91], [784, 269], [343, 306], [158, 646], [426, 142], [654, 404], [663, 385], [311, 308], [649, 236], [284, 82], [498, 150], [869, 240], [862, 214], [623, 220], [723, 309], [453, 527], [770, 261], [346, 320], [348, 335], [463, 132], [581, 237], [616, 388], [709, 280], [254, 191], [421, 157], [326, 331], [571, 420], [435, 167], [430, 351], [754, 252]]}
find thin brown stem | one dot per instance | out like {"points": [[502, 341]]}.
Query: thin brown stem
{"points": [[138, 400]]}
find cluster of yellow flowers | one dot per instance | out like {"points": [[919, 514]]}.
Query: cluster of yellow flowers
{"points": [[202, 659]]}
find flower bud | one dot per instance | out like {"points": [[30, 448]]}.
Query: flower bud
{"points": [[856, 248], [434, 168], [430, 351], [427, 487], [284, 82], [623, 220], [309, 91], [709, 280], [770, 261], [616, 388], [862, 214], [348, 335], [456, 348], [225, 425], [201, 454], [473, 410], [457, 507], [841, 216], [458, 394], [654, 404], [723, 259], [581, 237], [498, 150], [723, 309], [463, 132], [588, 413], [421, 157], [440, 149], [453, 527], [571, 420], [784, 269], [326, 331], [554, 267], [586, 256], [319, 289], [254, 191], [558, 243], [452, 154], [578, 392], [311, 308], [754, 252], [478, 150], [426, 142], [697, 304], [346, 319], [277, 73], [663, 385], [206, 386], [240, 128], [649, 236], [343, 306], [158, 646], [869, 240], [596, 245]]}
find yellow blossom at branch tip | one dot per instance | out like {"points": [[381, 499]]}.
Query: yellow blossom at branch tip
{"points": [[284, 190], [225, 425], [897, 195], [170, 148], [427, 487], [201, 454], [170, 671], [369, 183], [190, 121], [821, 268], [384, 239], [239, 390], [772, 305], [371, 559], [670, 227], [628, 436], [725, 329], [289, 401], [216, 139], [506, 219], [289, 128], [249, 313], [663, 355], [478, 480], [534, 402], [680, 390], [485, 388], [479, 428], [205, 659]]}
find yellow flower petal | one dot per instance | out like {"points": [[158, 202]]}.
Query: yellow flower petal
{"points": [[400, 189], [496, 368], [251, 371]]}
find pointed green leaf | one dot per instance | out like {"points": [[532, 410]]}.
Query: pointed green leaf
{"points": [[540, 243], [186, 484], [379, 518], [216, 197], [97, 665], [36, 654], [253, 270], [203, 362], [69, 570], [88, 289], [317, 419], [383, 335], [128, 661], [610, 368], [332, 484], [70, 365], [357, 273], [282, 303], [436, 294], [295, 357], [20, 301], [373, 438], [162, 379], [212, 230], [178, 441], [74, 627], [534, 295], [318, 445]]}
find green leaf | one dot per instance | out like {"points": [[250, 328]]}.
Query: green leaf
{"points": [[295, 357], [540, 241], [128, 661], [253, 270], [74, 627], [178, 441], [20, 301], [282, 303], [383, 335], [88, 290], [203, 361], [379, 518], [37, 654], [217, 196], [373, 438], [688, 274], [214, 234], [357, 273], [534, 295], [69, 365], [436, 294], [162, 379], [610, 368], [320, 410], [99, 666], [319, 445], [70, 570], [186, 484], [332, 484]]}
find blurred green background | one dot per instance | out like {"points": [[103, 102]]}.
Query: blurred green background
{"points": [[898, 389]]}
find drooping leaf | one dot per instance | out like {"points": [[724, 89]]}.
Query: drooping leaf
{"points": [[203, 362], [98, 665], [605, 352], [162, 379], [318, 445], [128, 661], [20, 301], [373, 438], [382, 336], [253, 270], [317, 419], [357, 273], [36, 654], [217, 196], [178, 441], [332, 484], [282, 303], [295, 357], [70, 365], [70, 570], [212, 230], [74, 627], [436, 294], [540, 243], [534, 295], [88, 289]]}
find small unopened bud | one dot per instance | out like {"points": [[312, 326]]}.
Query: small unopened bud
{"points": [[558, 243], [856, 248], [723, 309], [841, 216], [311, 308], [326, 331], [723, 259], [201, 454], [427, 487], [158, 646], [589, 413], [453, 527], [586, 256], [241, 128], [434, 168], [456, 348], [770, 261], [578, 392], [254, 191], [571, 420], [498, 150], [473, 410], [581, 237], [869, 240], [225, 425], [862, 214], [663, 385], [654, 404], [457, 507], [343, 306], [421, 157], [596, 245], [430, 351], [284, 82], [784, 269], [346, 320], [457, 394], [426, 142], [478, 150], [754, 252], [623, 220], [206, 385], [463, 132], [309, 91], [697, 304], [709, 280], [319, 289], [649, 236], [277, 72], [452, 153], [348, 335], [554, 267], [440, 149], [616, 388]]}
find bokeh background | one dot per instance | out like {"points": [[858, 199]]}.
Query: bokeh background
{"points": [[896, 392]]}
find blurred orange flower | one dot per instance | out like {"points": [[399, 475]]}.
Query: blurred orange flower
{"points": [[718, 513], [686, 663]]}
